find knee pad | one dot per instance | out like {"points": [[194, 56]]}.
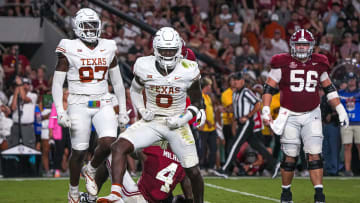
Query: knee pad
{"points": [[288, 166], [315, 164]]}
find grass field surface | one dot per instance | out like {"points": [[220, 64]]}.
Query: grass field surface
{"points": [[233, 190]]}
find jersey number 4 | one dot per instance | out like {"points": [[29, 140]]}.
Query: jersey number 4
{"points": [[297, 77], [166, 175], [87, 73]]}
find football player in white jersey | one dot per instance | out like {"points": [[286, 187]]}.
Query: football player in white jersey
{"points": [[87, 62], [167, 79]]}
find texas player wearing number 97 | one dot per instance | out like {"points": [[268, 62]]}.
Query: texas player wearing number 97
{"points": [[87, 62], [167, 79], [298, 76]]}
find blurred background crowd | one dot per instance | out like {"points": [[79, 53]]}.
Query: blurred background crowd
{"points": [[238, 35]]}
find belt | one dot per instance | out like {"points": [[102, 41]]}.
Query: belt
{"points": [[24, 124]]}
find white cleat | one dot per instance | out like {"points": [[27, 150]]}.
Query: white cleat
{"points": [[91, 186], [73, 199], [112, 198]]}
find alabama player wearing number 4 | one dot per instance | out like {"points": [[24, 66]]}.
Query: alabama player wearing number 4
{"points": [[299, 75], [87, 62], [167, 79]]}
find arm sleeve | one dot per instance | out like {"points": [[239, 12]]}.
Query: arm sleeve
{"points": [[136, 94], [119, 90], [57, 90]]}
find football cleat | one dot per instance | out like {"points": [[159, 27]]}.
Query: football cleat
{"points": [[112, 198], [73, 199], [319, 198], [286, 196], [89, 176]]}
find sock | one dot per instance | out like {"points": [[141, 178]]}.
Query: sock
{"points": [[286, 187], [91, 168], [116, 189], [74, 190], [319, 188]]}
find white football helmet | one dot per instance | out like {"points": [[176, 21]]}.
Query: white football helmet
{"points": [[87, 25], [167, 46]]}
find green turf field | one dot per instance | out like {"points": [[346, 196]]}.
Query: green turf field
{"points": [[337, 190]]}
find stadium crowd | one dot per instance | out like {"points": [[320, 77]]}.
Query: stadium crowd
{"points": [[239, 35]]}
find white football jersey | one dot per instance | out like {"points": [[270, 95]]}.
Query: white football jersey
{"points": [[88, 68], [166, 95]]}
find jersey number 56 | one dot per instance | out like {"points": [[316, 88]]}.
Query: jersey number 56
{"points": [[298, 77]]}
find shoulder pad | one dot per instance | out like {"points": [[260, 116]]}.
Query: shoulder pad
{"points": [[320, 58], [62, 46], [280, 60], [142, 64]]}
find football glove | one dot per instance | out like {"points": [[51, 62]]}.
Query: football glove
{"points": [[343, 117], [178, 120], [265, 114], [200, 118], [64, 119], [123, 120], [146, 114]]}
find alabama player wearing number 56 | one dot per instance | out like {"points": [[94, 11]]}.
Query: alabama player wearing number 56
{"points": [[86, 62], [167, 79], [299, 76]]}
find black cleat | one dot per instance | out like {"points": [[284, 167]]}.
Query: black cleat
{"points": [[319, 198], [286, 196]]}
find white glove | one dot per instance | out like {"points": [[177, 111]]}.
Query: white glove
{"points": [[63, 119], [265, 114], [200, 118], [123, 119], [146, 114], [343, 117], [178, 120]]}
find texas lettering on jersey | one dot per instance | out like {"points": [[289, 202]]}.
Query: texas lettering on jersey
{"points": [[299, 82], [88, 68], [166, 95]]}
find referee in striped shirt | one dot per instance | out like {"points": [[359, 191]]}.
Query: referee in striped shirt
{"points": [[245, 105]]}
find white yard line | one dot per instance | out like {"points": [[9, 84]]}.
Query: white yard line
{"points": [[242, 193]]}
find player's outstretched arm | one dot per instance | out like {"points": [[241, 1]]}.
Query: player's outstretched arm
{"points": [[119, 90], [334, 101], [62, 67]]}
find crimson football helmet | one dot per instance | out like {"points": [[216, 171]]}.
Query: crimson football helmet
{"points": [[302, 36]]}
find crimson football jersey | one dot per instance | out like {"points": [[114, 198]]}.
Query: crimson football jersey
{"points": [[162, 172], [299, 82]]}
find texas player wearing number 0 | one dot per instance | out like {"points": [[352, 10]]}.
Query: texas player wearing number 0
{"points": [[299, 76], [167, 79], [86, 62]]}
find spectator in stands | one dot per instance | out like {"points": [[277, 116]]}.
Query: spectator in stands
{"points": [[348, 47], [10, 61], [350, 98], [283, 13], [225, 15], [227, 31], [331, 17], [40, 84], [267, 51], [278, 42], [338, 31], [269, 31], [123, 44], [27, 104], [316, 24], [292, 25]]}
